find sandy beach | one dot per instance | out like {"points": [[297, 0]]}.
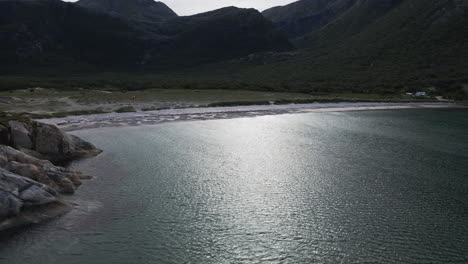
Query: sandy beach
{"points": [[171, 115]]}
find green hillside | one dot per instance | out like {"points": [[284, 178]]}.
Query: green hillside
{"points": [[411, 45], [306, 16]]}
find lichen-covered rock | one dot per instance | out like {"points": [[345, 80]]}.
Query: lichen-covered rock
{"points": [[10, 205], [26, 170], [49, 140], [20, 195], [3, 161], [61, 147], [61, 179], [46, 141], [37, 195], [21, 135], [12, 154], [29, 192]]}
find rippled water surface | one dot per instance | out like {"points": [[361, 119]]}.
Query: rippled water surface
{"points": [[377, 186]]}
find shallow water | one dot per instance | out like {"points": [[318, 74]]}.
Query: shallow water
{"points": [[377, 186]]}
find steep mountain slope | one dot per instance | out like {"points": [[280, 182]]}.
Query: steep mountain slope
{"points": [[357, 18], [222, 34], [411, 44], [417, 39], [306, 16], [139, 10], [43, 33], [58, 36]]}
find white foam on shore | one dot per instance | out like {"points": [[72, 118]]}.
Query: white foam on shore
{"points": [[186, 114]]}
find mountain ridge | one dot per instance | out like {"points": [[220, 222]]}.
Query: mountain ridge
{"points": [[58, 35], [407, 45], [138, 10]]}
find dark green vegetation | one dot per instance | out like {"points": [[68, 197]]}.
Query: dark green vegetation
{"points": [[6, 117], [305, 16], [125, 109], [385, 46], [239, 103], [26, 117], [65, 114], [368, 46]]}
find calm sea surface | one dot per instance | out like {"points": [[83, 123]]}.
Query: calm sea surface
{"points": [[348, 187]]}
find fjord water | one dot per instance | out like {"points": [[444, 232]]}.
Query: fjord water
{"points": [[344, 187]]}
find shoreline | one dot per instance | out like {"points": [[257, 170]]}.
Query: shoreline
{"points": [[73, 123]]}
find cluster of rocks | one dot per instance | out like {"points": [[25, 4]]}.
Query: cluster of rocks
{"points": [[45, 141], [30, 183]]}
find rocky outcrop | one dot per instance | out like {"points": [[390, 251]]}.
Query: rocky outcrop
{"points": [[30, 182], [20, 134], [46, 141], [21, 199], [43, 171]]}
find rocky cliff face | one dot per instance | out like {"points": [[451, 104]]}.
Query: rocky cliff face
{"points": [[30, 184]]}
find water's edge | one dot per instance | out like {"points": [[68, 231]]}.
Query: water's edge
{"points": [[73, 123]]}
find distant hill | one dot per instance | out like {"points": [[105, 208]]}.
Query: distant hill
{"points": [[55, 35], [139, 10]]}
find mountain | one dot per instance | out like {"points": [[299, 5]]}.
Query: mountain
{"points": [[382, 46], [37, 34], [360, 16], [373, 46], [306, 16], [139, 10], [396, 43], [57, 36], [222, 34]]}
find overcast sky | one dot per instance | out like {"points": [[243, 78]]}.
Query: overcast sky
{"points": [[190, 7]]}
